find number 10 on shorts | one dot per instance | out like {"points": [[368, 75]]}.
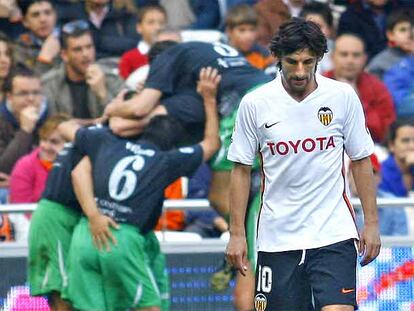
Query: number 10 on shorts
{"points": [[264, 279]]}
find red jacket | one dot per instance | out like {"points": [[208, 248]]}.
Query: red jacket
{"points": [[377, 103], [130, 61]]}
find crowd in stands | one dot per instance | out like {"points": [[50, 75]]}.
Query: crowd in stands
{"points": [[69, 59]]}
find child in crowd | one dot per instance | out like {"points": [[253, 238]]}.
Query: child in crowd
{"points": [[151, 19], [400, 42], [241, 30]]}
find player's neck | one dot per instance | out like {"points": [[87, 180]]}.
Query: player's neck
{"points": [[300, 95]]}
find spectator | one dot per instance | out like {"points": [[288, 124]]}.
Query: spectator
{"points": [[241, 30], [399, 80], [6, 61], [113, 30], [28, 177], [397, 169], [367, 19], [20, 116], [39, 47], [151, 19], [348, 66], [80, 86], [400, 42], [10, 18], [272, 13], [321, 14]]}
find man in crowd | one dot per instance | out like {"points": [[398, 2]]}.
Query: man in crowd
{"points": [[39, 47], [80, 86], [349, 59]]}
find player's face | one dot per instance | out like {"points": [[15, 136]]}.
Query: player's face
{"points": [[50, 146], [40, 19], [26, 91], [242, 37], [152, 22], [403, 145], [80, 53], [298, 72], [348, 57]]}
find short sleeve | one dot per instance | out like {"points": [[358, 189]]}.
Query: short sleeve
{"points": [[163, 71], [244, 142], [184, 161], [357, 138]]}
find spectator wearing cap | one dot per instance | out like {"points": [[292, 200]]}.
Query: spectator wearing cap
{"points": [[39, 47], [80, 86]]}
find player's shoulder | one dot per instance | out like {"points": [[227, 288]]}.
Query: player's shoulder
{"points": [[333, 86], [261, 91]]}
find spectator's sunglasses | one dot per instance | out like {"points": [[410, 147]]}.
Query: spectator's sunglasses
{"points": [[71, 27]]}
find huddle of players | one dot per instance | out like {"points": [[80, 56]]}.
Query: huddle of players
{"points": [[97, 248], [127, 178]]}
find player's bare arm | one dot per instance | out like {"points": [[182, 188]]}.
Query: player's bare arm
{"points": [[207, 87], [138, 106], [236, 251], [370, 243], [99, 224]]}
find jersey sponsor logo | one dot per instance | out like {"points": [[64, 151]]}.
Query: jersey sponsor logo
{"points": [[306, 145], [325, 115], [260, 302], [271, 124], [347, 290]]}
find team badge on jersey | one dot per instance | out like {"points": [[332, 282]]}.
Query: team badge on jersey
{"points": [[260, 302], [325, 115]]}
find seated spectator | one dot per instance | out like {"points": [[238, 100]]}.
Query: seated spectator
{"points": [[400, 42], [79, 87], [6, 61], [113, 30], [349, 60], [28, 177], [241, 30], [399, 80], [397, 169], [272, 13], [151, 19], [367, 19], [23, 112], [39, 47], [321, 14]]}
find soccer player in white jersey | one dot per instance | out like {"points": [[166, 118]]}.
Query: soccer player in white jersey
{"points": [[301, 124]]}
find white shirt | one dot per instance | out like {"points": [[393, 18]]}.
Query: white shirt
{"points": [[301, 145]]}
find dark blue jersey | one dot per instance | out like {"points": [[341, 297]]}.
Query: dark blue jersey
{"points": [[177, 70], [59, 182], [130, 176]]}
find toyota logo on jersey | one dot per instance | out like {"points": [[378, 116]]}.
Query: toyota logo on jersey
{"points": [[325, 115], [301, 145]]}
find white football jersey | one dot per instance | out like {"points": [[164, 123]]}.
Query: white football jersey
{"points": [[301, 146]]}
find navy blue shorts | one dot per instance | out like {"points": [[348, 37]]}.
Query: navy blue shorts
{"points": [[305, 280]]}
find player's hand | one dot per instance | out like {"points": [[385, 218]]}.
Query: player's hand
{"points": [[95, 78], [28, 118], [208, 83], [369, 243], [99, 226], [4, 180], [409, 158], [236, 253], [111, 108]]}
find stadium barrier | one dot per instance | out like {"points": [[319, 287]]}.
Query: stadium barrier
{"points": [[386, 284]]}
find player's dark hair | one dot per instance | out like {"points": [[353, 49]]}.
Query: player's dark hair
{"points": [[298, 34], [399, 16], [158, 48], [400, 122], [163, 131], [318, 8]]}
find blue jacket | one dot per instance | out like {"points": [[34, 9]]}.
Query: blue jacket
{"points": [[400, 82]]}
